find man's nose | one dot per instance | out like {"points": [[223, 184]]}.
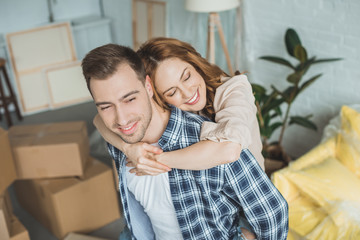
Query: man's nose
{"points": [[121, 117]]}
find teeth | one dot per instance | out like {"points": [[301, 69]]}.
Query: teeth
{"points": [[127, 128], [193, 98]]}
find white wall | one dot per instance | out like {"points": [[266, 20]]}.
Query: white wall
{"points": [[327, 28], [120, 14], [16, 15]]}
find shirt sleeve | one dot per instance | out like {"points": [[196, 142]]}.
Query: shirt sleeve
{"points": [[264, 207], [235, 113]]}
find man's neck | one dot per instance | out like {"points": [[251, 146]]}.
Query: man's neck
{"points": [[158, 123]]}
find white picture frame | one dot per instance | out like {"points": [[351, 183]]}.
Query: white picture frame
{"points": [[30, 52]]}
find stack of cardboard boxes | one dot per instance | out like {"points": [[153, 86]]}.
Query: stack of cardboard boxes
{"points": [[10, 226], [58, 182]]}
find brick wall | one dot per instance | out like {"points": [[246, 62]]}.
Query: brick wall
{"points": [[327, 28]]}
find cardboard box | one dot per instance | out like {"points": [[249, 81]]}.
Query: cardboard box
{"points": [[5, 214], [18, 231], [76, 236], [66, 205], [116, 175], [5, 219], [50, 150], [10, 226], [7, 166]]}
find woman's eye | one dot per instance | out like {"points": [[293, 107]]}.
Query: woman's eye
{"points": [[172, 94], [187, 76]]}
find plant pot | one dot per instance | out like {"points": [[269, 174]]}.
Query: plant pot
{"points": [[273, 165], [276, 158]]}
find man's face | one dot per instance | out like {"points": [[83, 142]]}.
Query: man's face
{"points": [[123, 103]]}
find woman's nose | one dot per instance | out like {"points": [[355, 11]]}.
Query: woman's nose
{"points": [[186, 93]]}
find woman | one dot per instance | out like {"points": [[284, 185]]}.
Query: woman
{"points": [[182, 78]]}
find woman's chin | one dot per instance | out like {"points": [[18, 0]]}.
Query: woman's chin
{"points": [[194, 109]]}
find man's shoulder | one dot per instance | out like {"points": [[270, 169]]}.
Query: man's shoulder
{"points": [[196, 118], [183, 129], [114, 152], [179, 116]]}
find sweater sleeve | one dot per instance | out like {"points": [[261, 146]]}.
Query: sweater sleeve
{"points": [[235, 113]]}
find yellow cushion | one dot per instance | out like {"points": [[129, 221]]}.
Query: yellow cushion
{"points": [[348, 141], [327, 181], [343, 222], [304, 215]]}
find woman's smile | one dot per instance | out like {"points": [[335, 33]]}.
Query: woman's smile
{"points": [[194, 99]]}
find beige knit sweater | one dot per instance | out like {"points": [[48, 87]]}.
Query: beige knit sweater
{"points": [[235, 118]]}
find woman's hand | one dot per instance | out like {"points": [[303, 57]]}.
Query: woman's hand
{"points": [[142, 157]]}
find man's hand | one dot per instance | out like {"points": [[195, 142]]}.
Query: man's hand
{"points": [[142, 157]]}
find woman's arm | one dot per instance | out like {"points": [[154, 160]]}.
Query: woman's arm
{"points": [[223, 140], [201, 155], [235, 109], [140, 155]]}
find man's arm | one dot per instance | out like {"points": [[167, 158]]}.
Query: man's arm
{"points": [[264, 206]]}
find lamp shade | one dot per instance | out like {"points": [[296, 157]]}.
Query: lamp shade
{"points": [[210, 5]]}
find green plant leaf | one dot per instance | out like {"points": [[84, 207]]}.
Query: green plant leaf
{"points": [[303, 67], [304, 122], [266, 132], [327, 60], [278, 60], [300, 53], [309, 82], [273, 105], [276, 90], [258, 89], [295, 77], [275, 126], [291, 41], [289, 94], [308, 116], [278, 111]]}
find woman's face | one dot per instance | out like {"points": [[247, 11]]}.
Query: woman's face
{"points": [[180, 85]]}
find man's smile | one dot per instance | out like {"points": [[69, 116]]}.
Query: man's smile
{"points": [[129, 129]]}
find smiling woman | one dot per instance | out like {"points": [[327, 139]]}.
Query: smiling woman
{"points": [[180, 85]]}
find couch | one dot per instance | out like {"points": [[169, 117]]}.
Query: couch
{"points": [[323, 186]]}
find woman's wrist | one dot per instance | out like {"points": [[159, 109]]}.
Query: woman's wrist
{"points": [[161, 158], [126, 148]]}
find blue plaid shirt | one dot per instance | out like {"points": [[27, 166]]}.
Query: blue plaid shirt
{"points": [[208, 202]]}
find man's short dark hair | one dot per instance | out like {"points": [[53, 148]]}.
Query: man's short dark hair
{"points": [[102, 62]]}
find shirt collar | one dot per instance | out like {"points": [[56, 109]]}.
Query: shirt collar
{"points": [[173, 128]]}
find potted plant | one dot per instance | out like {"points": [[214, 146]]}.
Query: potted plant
{"points": [[271, 105]]}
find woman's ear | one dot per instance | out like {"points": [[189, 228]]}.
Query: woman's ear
{"points": [[149, 86]]}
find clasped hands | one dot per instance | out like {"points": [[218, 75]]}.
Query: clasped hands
{"points": [[144, 158]]}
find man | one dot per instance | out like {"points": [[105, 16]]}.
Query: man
{"points": [[180, 204]]}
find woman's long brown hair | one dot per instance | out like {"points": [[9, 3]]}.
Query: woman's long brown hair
{"points": [[156, 50]]}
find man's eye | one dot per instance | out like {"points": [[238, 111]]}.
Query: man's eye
{"points": [[131, 99], [104, 108]]}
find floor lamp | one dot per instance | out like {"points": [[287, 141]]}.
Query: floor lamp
{"points": [[213, 7]]}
